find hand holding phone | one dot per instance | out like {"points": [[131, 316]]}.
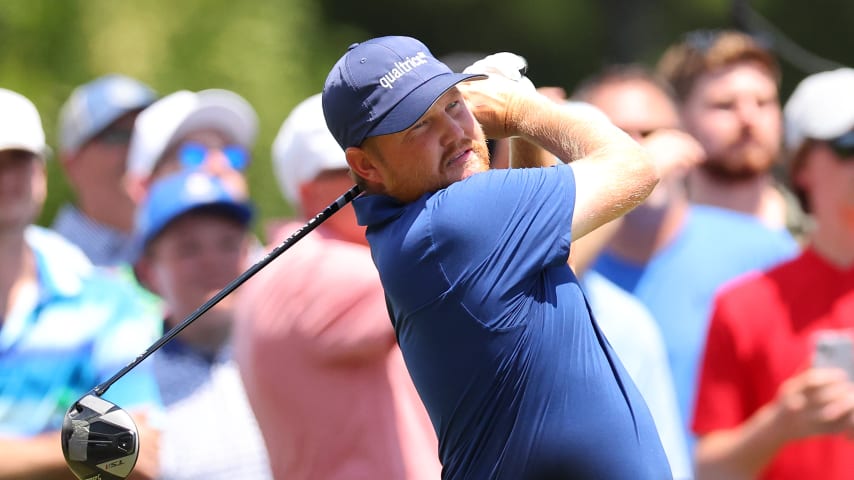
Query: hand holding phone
{"points": [[834, 348]]}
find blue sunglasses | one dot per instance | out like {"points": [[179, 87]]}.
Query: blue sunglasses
{"points": [[193, 154]]}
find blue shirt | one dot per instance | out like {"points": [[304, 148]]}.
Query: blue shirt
{"points": [[518, 380], [679, 282], [78, 327]]}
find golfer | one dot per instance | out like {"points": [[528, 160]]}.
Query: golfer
{"points": [[516, 376]]}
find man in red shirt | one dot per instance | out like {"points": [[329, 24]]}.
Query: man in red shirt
{"points": [[765, 408]]}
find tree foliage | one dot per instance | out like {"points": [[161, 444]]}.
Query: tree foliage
{"points": [[277, 52]]}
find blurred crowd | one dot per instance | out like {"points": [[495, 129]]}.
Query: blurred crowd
{"points": [[718, 293]]}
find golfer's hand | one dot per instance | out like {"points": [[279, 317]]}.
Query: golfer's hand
{"points": [[499, 104], [495, 101], [148, 462], [816, 401]]}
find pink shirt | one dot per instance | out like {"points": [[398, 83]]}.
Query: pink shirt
{"points": [[323, 371]]}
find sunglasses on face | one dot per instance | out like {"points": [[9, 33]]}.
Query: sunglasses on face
{"points": [[843, 146], [114, 136], [193, 154]]}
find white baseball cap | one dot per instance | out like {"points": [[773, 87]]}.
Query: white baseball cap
{"points": [[20, 124], [179, 113], [304, 147], [821, 107]]}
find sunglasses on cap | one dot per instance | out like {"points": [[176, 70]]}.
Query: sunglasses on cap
{"points": [[703, 40], [193, 154]]}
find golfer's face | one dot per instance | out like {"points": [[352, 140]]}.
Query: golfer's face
{"points": [[444, 146]]}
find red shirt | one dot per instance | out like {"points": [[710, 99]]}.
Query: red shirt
{"points": [[761, 334]]}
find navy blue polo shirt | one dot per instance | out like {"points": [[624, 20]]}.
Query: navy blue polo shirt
{"points": [[518, 380]]}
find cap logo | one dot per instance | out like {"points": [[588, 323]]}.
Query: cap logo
{"points": [[402, 68]]}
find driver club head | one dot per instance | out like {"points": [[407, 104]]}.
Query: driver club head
{"points": [[100, 441]]}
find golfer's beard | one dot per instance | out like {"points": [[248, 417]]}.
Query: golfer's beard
{"points": [[739, 167], [479, 147]]}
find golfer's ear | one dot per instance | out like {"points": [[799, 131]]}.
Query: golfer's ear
{"points": [[363, 164]]}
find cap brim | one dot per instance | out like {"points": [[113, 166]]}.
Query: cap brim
{"points": [[242, 212], [416, 104], [231, 122], [41, 150]]}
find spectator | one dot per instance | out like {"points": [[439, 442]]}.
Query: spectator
{"points": [[670, 254], [765, 409], [95, 126], [317, 352], [195, 236], [516, 376], [726, 85], [65, 326]]}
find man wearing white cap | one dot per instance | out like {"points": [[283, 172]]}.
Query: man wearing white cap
{"points": [[213, 130], [95, 126], [776, 398], [315, 347], [65, 326]]}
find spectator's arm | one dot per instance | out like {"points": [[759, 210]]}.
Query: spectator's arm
{"points": [[37, 458], [818, 401], [741, 452]]}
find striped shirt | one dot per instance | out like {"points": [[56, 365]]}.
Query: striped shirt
{"points": [[210, 431], [104, 245]]}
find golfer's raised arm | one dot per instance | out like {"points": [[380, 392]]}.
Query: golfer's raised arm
{"points": [[613, 172]]}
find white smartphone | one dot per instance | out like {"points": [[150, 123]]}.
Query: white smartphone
{"points": [[834, 348]]}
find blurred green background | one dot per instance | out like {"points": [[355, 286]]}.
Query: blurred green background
{"points": [[277, 52]]}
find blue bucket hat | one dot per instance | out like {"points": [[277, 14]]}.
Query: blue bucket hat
{"points": [[382, 86], [180, 193]]}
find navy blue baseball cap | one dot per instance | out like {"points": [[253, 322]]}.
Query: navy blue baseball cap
{"points": [[183, 192], [382, 86]]}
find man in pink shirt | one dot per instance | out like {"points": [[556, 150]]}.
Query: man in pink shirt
{"points": [[316, 349]]}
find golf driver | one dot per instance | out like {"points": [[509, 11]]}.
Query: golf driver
{"points": [[100, 441]]}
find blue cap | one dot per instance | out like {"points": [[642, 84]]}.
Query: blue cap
{"points": [[93, 106], [179, 193], [383, 86]]}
